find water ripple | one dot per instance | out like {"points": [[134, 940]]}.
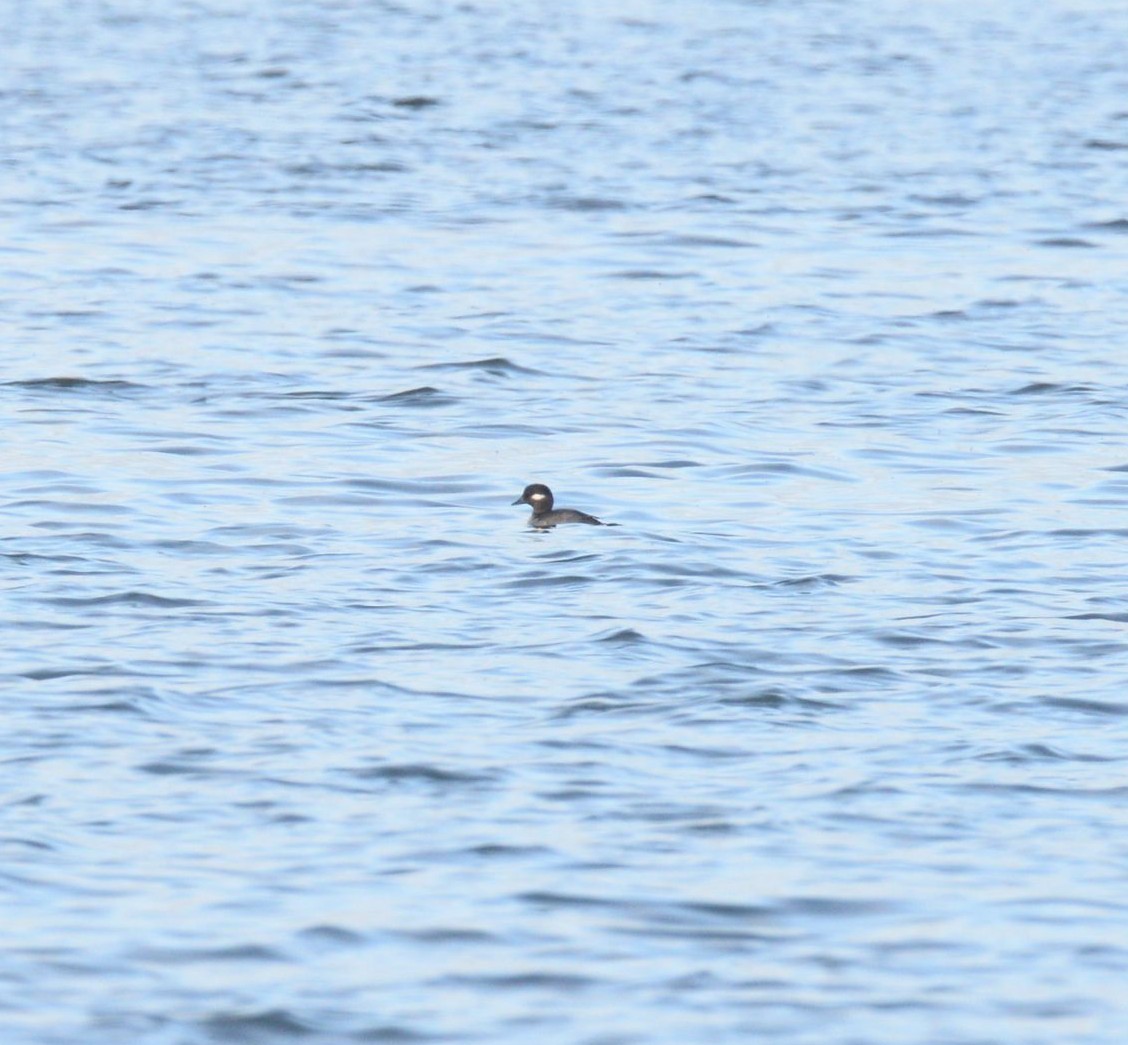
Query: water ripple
{"points": [[310, 736]]}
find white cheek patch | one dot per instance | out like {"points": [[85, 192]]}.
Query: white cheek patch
{"points": [[536, 497]]}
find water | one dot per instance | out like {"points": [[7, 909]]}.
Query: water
{"points": [[308, 737]]}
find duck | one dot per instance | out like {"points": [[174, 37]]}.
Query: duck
{"points": [[539, 497]]}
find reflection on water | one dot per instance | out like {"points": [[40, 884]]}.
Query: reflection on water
{"points": [[309, 735]]}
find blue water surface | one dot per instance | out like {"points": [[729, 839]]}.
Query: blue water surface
{"points": [[308, 737]]}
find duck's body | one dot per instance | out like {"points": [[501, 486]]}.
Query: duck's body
{"points": [[539, 497]]}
